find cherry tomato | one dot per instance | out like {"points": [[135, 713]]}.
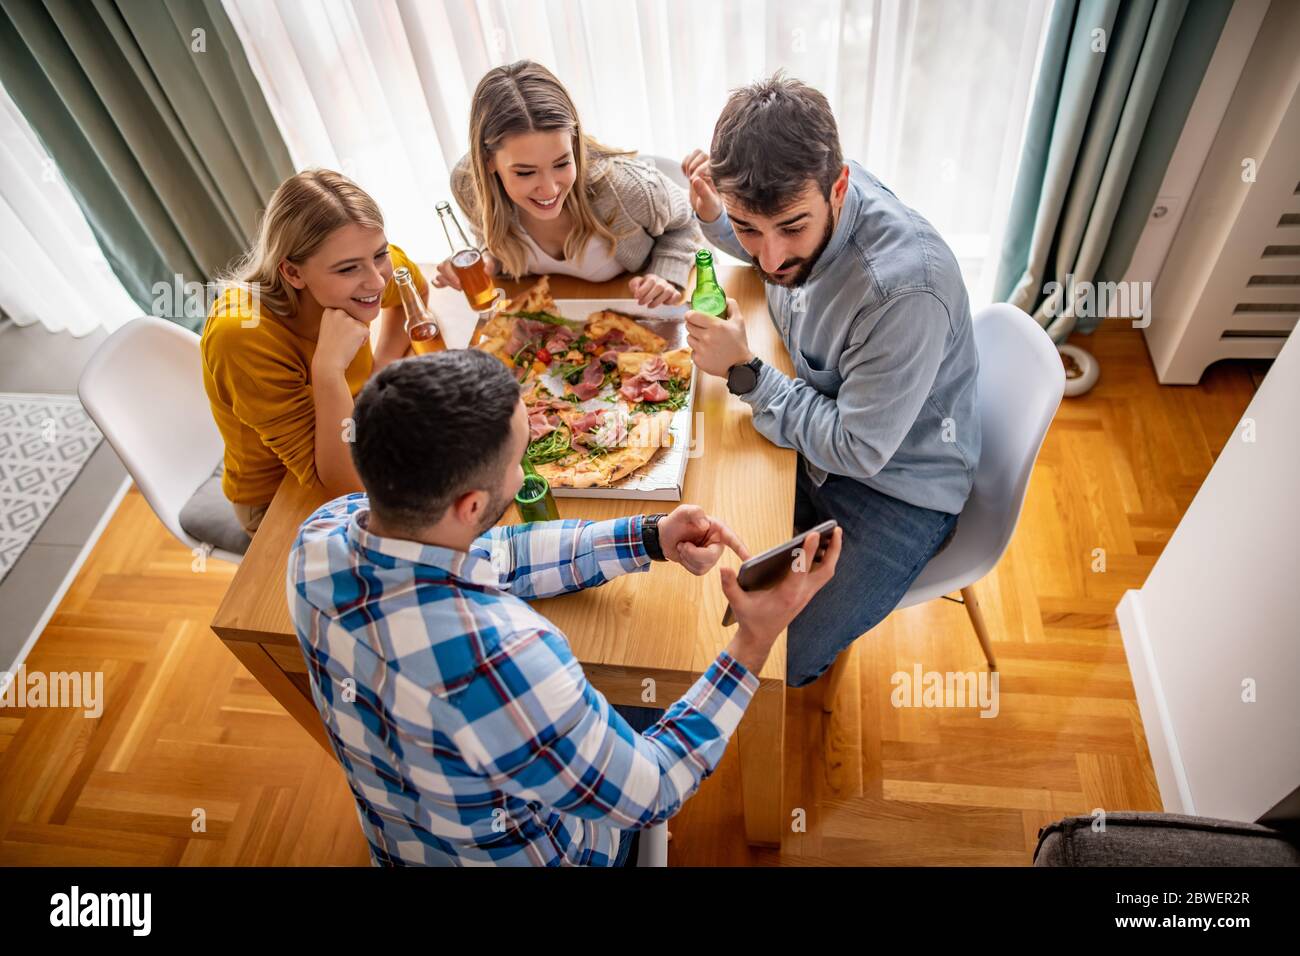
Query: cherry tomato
{"points": [[544, 356]]}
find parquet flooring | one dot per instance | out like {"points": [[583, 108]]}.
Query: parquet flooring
{"points": [[185, 728]]}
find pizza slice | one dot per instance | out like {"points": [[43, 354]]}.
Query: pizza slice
{"points": [[600, 325], [493, 337], [496, 331], [678, 362], [593, 465], [652, 383], [537, 298], [529, 331], [647, 435]]}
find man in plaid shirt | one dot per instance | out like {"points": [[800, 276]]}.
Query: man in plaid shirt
{"points": [[466, 727]]}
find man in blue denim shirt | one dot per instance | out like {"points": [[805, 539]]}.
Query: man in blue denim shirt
{"points": [[870, 303]]}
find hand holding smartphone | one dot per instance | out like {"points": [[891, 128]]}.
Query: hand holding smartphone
{"points": [[769, 568]]}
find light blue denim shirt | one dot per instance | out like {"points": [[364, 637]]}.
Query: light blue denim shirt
{"points": [[884, 357]]}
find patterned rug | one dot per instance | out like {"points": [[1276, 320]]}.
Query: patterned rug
{"points": [[45, 441]]}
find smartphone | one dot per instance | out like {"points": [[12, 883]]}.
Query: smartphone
{"points": [[767, 570]]}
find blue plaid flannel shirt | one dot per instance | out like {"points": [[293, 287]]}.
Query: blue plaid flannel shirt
{"points": [[468, 731]]}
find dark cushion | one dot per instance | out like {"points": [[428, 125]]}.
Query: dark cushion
{"points": [[1162, 839], [209, 517]]}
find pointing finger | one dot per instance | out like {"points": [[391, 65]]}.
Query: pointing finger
{"points": [[732, 540]]}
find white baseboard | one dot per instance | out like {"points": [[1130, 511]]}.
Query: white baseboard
{"points": [[66, 583], [1162, 741]]}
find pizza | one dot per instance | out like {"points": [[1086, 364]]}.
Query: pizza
{"points": [[600, 393]]}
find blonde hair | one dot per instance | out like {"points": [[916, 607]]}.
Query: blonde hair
{"points": [[302, 213], [525, 97]]}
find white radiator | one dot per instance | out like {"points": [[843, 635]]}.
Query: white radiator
{"points": [[1230, 287]]}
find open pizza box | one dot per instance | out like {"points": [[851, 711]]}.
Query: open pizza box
{"points": [[662, 479]]}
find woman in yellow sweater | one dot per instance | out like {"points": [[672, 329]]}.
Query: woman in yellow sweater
{"points": [[286, 347]]}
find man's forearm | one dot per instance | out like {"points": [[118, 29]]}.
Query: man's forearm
{"points": [[555, 557], [887, 372], [791, 413], [750, 650]]}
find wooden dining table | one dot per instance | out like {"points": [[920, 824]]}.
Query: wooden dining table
{"points": [[663, 627]]}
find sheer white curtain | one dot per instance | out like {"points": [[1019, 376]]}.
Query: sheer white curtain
{"points": [[930, 95], [51, 269]]}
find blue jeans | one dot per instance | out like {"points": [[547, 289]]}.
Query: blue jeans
{"points": [[639, 719], [886, 544]]}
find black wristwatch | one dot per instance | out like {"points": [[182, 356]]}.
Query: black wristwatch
{"points": [[650, 537], [742, 378]]}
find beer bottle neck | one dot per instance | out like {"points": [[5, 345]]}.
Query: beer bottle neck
{"points": [[456, 238], [411, 304]]}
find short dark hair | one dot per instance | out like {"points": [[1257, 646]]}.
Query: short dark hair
{"points": [[772, 137], [428, 429]]}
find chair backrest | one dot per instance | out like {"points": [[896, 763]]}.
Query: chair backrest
{"points": [[670, 168], [144, 389], [1021, 381]]}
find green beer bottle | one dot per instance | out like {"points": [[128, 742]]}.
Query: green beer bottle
{"points": [[534, 502], [708, 296]]}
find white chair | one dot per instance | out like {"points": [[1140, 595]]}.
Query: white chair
{"points": [[1019, 388], [670, 168], [673, 170], [652, 850], [144, 389]]}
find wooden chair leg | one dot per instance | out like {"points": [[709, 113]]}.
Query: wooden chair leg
{"points": [[836, 677], [977, 622], [841, 666]]}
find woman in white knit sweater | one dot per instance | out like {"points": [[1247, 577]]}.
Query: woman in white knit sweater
{"points": [[542, 196]]}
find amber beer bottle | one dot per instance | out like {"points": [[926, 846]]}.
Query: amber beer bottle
{"points": [[467, 262], [708, 296], [421, 325]]}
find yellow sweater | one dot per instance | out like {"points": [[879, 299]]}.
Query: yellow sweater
{"points": [[257, 375]]}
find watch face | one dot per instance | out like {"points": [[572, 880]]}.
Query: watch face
{"points": [[741, 379]]}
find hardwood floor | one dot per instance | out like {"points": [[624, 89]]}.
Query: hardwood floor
{"points": [[185, 728]]}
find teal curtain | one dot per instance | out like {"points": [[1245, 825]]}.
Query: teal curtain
{"points": [[1116, 83], [156, 123]]}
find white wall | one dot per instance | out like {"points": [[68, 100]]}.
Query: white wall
{"points": [[1220, 607]]}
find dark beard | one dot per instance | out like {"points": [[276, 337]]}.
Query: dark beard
{"points": [[499, 504], [806, 267]]}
